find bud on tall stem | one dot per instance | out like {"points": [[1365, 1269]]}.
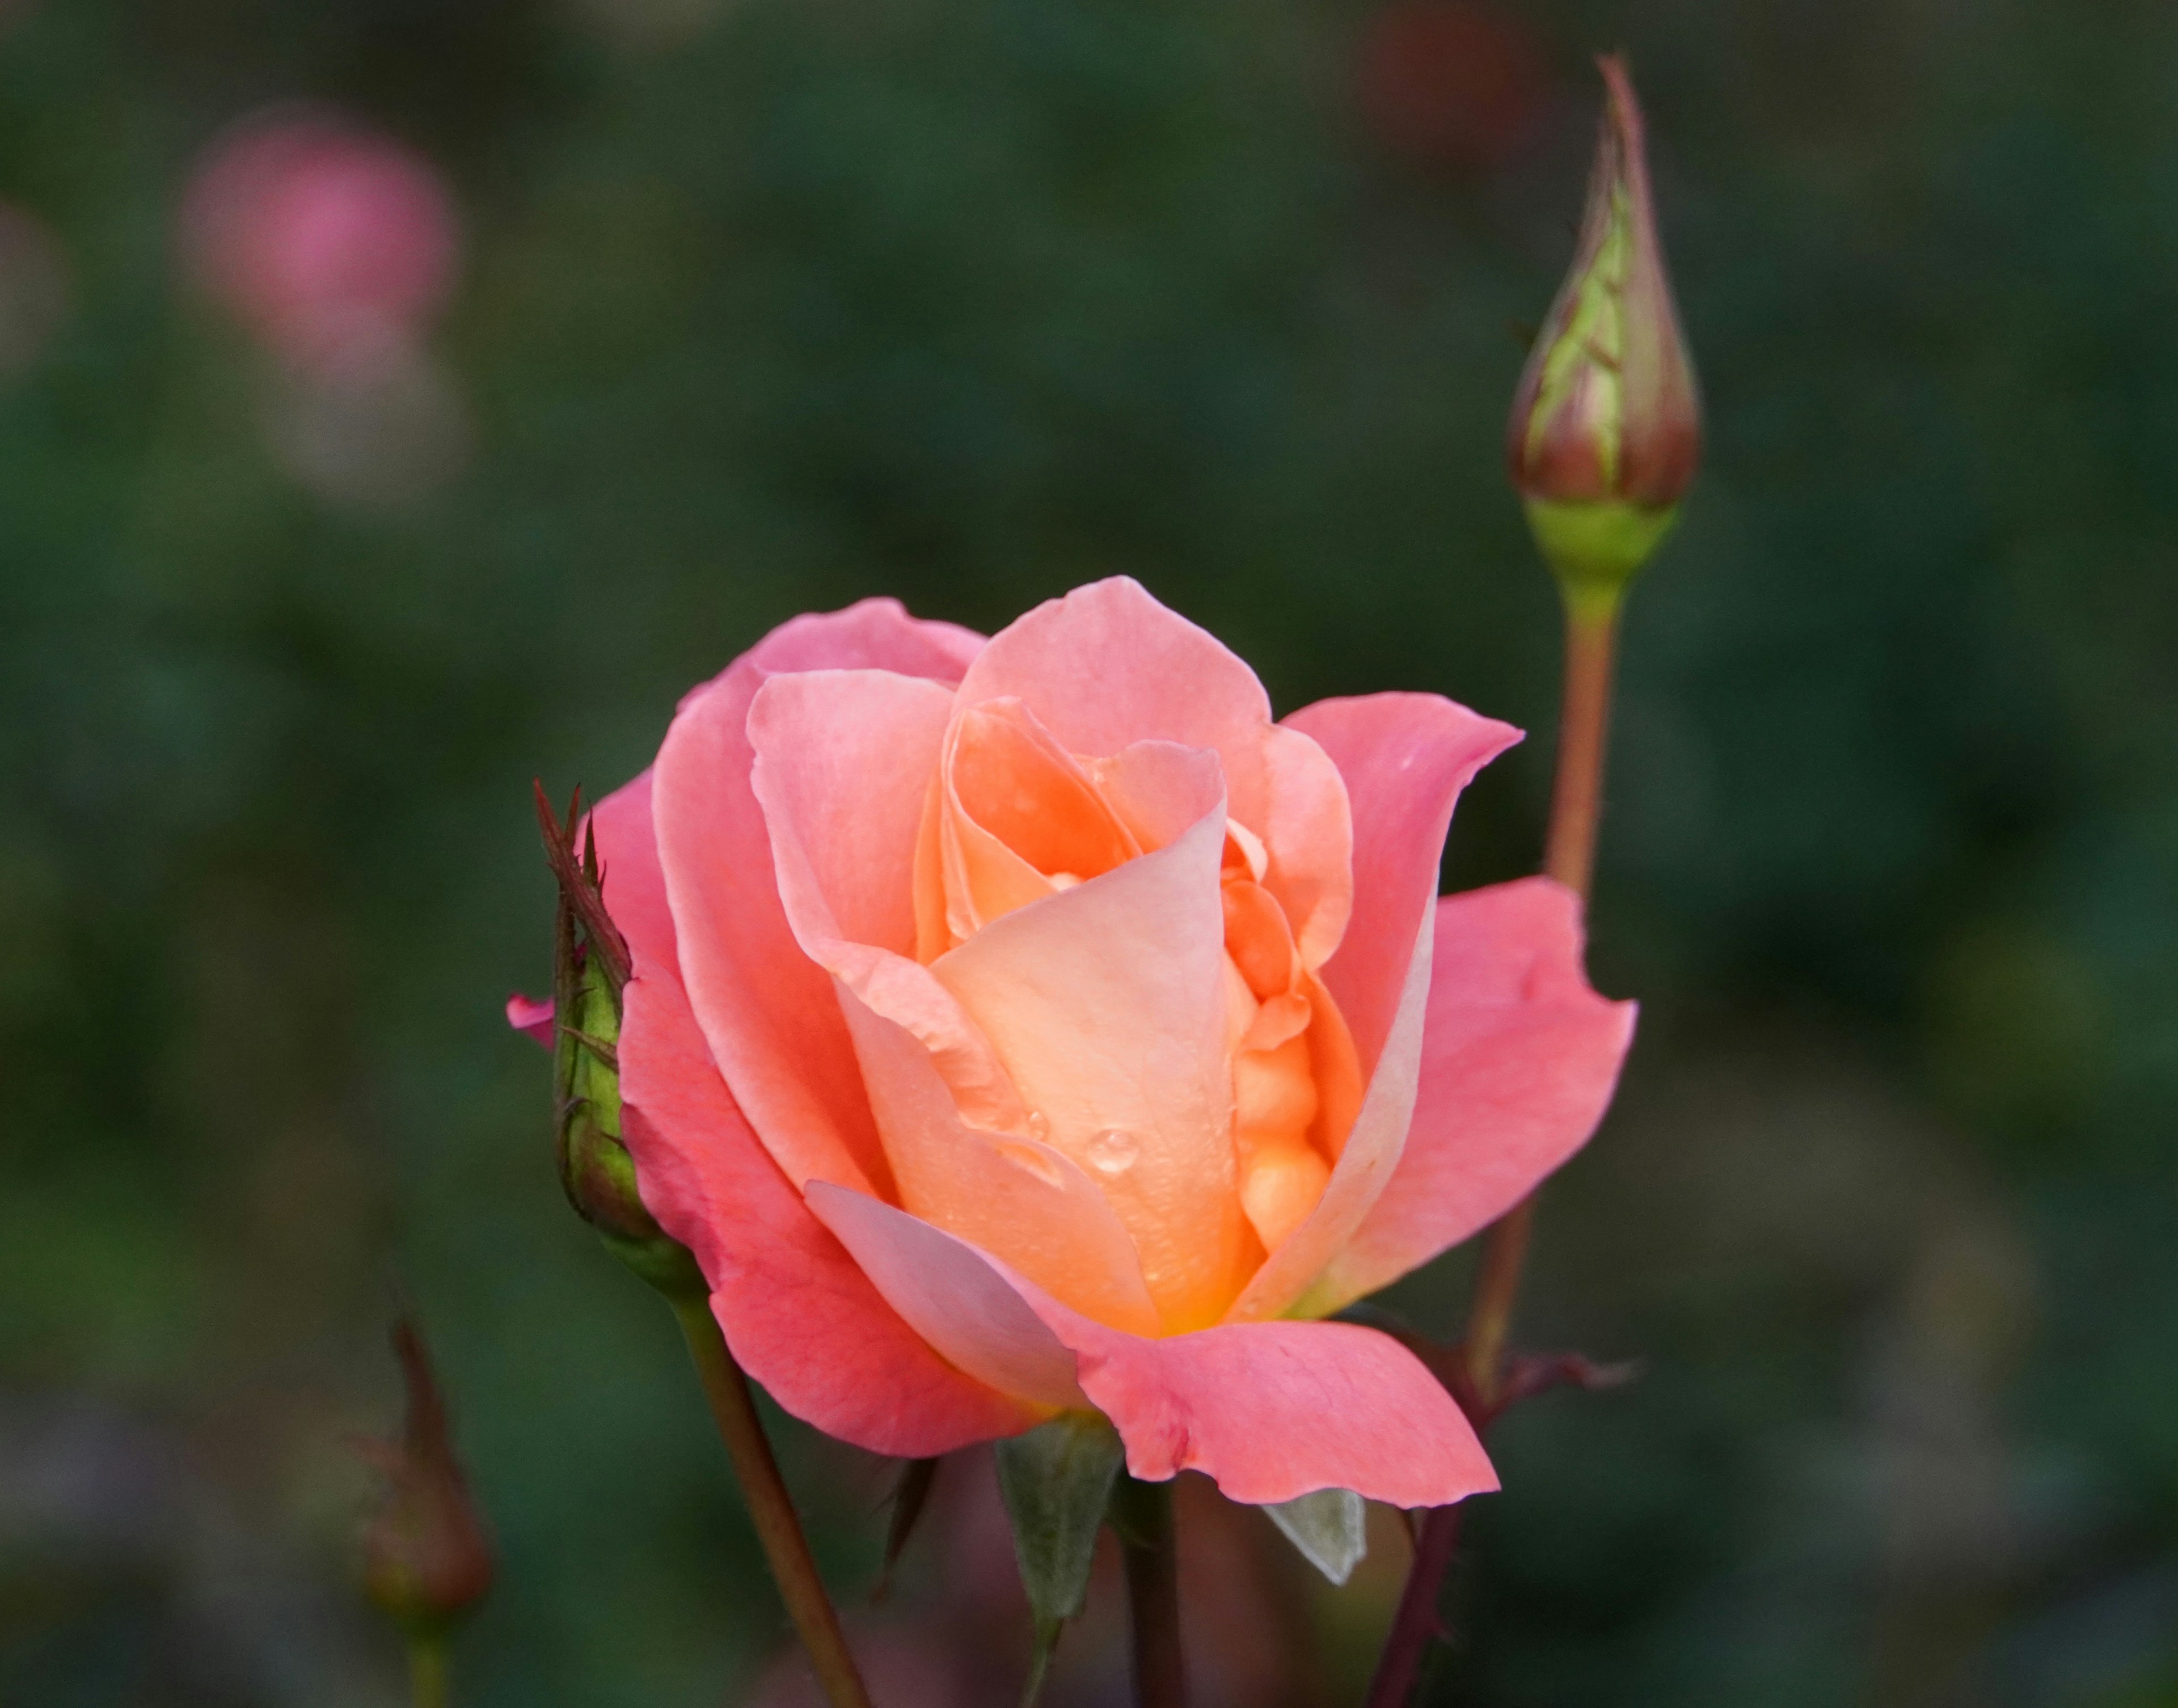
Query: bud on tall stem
{"points": [[1606, 429], [1605, 437]]}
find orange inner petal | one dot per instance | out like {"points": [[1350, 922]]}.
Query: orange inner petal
{"points": [[1015, 819]]}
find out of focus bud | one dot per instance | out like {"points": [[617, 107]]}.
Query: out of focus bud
{"points": [[426, 1558], [590, 969], [1605, 430]]}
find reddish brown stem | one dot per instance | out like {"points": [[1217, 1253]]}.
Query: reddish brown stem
{"points": [[771, 1508], [1569, 856], [1415, 1626], [1584, 728]]}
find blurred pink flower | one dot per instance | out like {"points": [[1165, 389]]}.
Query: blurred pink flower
{"points": [[1455, 85], [309, 226]]}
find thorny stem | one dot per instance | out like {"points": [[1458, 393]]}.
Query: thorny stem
{"points": [[785, 1550], [1415, 1626], [1143, 1512], [1569, 856]]}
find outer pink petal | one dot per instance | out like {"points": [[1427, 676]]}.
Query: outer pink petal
{"points": [[767, 1010], [532, 1015], [1274, 1410], [844, 765], [1405, 757], [800, 1315], [634, 884], [1271, 1410], [964, 1306], [1519, 1059]]}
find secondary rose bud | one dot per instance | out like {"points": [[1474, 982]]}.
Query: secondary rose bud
{"points": [[1605, 430], [426, 1559], [591, 968]]}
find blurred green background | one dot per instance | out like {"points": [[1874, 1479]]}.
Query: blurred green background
{"points": [[762, 307]]}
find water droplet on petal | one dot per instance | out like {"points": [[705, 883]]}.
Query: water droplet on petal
{"points": [[1039, 1125], [1030, 1160], [1113, 1151]]}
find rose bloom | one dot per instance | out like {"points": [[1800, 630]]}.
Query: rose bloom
{"points": [[1033, 1024]]}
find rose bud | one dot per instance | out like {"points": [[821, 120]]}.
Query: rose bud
{"points": [[1034, 1025], [1605, 430], [426, 1558], [590, 970]]}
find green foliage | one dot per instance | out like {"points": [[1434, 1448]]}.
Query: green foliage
{"points": [[1057, 1482]]}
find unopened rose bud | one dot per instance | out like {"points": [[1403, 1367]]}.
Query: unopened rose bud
{"points": [[426, 1558], [1606, 431], [590, 969]]}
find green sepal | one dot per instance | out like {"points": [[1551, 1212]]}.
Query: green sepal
{"points": [[1328, 1527], [1057, 1483], [1595, 549], [910, 1496], [590, 970]]}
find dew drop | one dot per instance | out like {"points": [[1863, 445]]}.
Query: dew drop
{"points": [[1039, 1125], [1030, 1160], [1113, 1151]]}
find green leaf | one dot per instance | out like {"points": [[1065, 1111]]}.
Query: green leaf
{"points": [[1057, 1482], [1328, 1527]]}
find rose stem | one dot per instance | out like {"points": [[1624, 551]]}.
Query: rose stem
{"points": [[785, 1550], [1568, 856], [427, 1672], [1146, 1547]]}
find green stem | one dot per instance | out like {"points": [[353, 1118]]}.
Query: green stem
{"points": [[427, 1672], [785, 1549], [1142, 1512]]}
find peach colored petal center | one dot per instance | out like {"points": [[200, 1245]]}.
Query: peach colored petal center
{"points": [[1122, 941]]}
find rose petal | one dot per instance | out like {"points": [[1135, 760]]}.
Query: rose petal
{"points": [[1022, 1201], [962, 1306], [769, 1013], [1108, 666], [631, 881], [1519, 1057], [1269, 1410], [796, 1310], [1019, 809], [532, 1015], [1275, 1410], [1364, 1167], [842, 761], [1308, 832], [1106, 1004], [1405, 757]]}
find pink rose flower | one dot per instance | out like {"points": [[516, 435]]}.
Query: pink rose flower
{"points": [[1034, 1024]]}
